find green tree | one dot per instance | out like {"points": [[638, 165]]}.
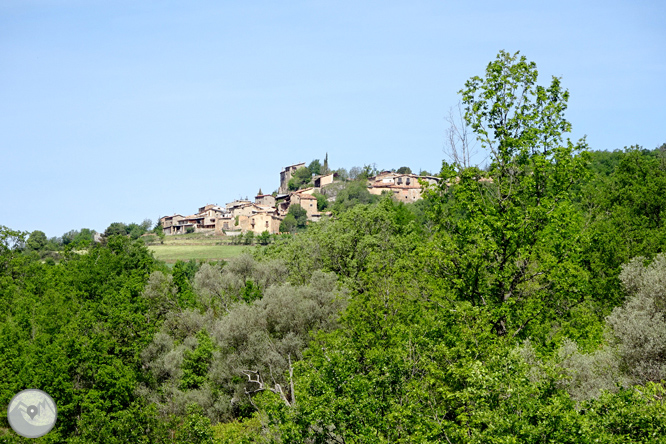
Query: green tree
{"points": [[325, 168], [159, 231], [404, 170], [626, 203], [135, 231], [315, 167], [249, 238], [353, 194], [264, 238], [299, 179], [37, 240], [195, 363], [322, 201], [510, 239], [300, 215], [288, 224], [116, 228]]}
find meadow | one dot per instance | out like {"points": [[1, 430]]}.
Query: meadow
{"points": [[195, 246]]}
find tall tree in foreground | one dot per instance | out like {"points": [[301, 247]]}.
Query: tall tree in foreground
{"points": [[508, 238]]}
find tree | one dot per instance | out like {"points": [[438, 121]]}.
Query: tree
{"points": [[509, 237], [264, 238], [355, 172], [315, 167], [37, 240], [458, 148], [404, 170], [288, 224], [342, 174], [116, 228], [325, 169], [159, 231], [135, 231], [322, 201], [353, 194], [300, 178], [299, 214]]}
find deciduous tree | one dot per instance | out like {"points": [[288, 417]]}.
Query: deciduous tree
{"points": [[509, 237]]}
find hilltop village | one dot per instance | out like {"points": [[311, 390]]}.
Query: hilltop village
{"points": [[268, 210]]}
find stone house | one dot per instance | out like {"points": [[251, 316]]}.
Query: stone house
{"points": [[322, 181], [260, 222], [267, 200], [307, 201], [225, 222], [170, 224], [250, 209], [404, 187], [236, 203], [285, 175]]}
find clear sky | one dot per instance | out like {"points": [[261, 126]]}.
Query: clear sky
{"points": [[117, 111]]}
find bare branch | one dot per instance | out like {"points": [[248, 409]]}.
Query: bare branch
{"points": [[458, 148]]}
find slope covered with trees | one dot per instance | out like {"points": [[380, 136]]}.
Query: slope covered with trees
{"points": [[522, 302]]}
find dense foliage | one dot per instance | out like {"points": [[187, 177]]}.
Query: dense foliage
{"points": [[522, 302]]}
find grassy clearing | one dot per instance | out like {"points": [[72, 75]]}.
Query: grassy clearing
{"points": [[172, 252]]}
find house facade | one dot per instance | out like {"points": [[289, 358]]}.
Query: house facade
{"points": [[404, 187], [285, 175]]}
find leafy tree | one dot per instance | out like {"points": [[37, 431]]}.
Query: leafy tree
{"points": [[507, 240], [183, 273], [135, 231], [237, 239], [342, 174], [288, 224], [195, 363], [37, 241], [264, 238], [315, 167], [116, 228], [159, 231], [81, 238], [249, 238], [404, 170], [146, 225], [355, 173], [299, 179], [353, 194], [196, 428], [322, 201], [626, 203], [300, 215]]}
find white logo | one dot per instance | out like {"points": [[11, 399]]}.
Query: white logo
{"points": [[32, 413]]}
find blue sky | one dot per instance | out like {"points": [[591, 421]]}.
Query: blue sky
{"points": [[117, 111]]}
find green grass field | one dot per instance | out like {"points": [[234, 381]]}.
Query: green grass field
{"points": [[172, 253]]}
